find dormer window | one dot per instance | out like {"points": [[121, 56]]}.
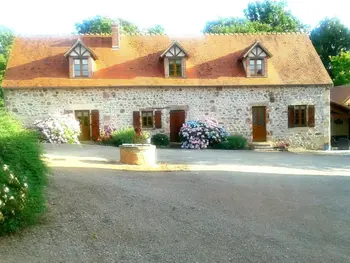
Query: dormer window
{"points": [[174, 58], [175, 67], [81, 60], [255, 60], [81, 67], [256, 67]]}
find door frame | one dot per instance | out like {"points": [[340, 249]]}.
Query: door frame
{"points": [[265, 123]]}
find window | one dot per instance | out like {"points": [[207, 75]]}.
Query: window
{"points": [[81, 67], [301, 116], [147, 119], [256, 67], [175, 67]]}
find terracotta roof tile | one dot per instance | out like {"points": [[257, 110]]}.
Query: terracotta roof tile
{"points": [[213, 61]]}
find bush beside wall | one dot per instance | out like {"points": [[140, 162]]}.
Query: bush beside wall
{"points": [[23, 176]]}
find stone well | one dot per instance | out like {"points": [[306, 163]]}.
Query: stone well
{"points": [[138, 154]]}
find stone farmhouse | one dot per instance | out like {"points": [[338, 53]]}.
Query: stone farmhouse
{"points": [[267, 87]]}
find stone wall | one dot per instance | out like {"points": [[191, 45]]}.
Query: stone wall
{"points": [[230, 106]]}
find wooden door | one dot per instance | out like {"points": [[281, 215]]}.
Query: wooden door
{"points": [[177, 118], [259, 124], [83, 116]]}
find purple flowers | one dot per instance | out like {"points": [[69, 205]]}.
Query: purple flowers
{"points": [[59, 129], [200, 134]]}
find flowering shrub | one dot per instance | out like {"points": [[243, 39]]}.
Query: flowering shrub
{"points": [[106, 134], [22, 176], [200, 134], [59, 129], [13, 193]]}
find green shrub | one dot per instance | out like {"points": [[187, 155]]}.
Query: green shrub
{"points": [[23, 176], [160, 140], [123, 135], [232, 142]]}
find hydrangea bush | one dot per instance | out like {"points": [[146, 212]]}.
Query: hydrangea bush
{"points": [[13, 193], [59, 129], [201, 133], [106, 134]]}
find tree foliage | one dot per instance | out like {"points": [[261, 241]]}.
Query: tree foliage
{"points": [[6, 39], [157, 29], [101, 24], [275, 14], [341, 68], [266, 16], [329, 38]]}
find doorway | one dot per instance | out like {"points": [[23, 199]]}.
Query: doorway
{"points": [[177, 118], [259, 124], [83, 116]]}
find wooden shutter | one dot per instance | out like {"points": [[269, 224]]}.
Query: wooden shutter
{"points": [[95, 125], [291, 121], [158, 119], [311, 116], [136, 119]]}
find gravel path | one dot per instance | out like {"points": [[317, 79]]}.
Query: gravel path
{"points": [[99, 215]]}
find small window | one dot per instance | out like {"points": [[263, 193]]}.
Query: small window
{"points": [[81, 67], [301, 116], [147, 119], [175, 68], [256, 67]]}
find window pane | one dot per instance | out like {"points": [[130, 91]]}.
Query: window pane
{"points": [[77, 73], [259, 62], [85, 67], [252, 63], [171, 69], [85, 73], [77, 67], [85, 61], [77, 61]]}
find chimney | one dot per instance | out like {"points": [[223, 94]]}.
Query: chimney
{"points": [[115, 35]]}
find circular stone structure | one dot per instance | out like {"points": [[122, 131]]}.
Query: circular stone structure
{"points": [[138, 154]]}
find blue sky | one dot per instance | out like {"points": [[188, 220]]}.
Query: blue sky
{"points": [[180, 17]]}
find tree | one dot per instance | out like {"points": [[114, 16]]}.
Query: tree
{"points": [[101, 24], [267, 16], [341, 68], [274, 14], [6, 39], [234, 25], [329, 38], [157, 29]]}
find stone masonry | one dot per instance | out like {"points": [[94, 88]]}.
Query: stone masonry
{"points": [[230, 106]]}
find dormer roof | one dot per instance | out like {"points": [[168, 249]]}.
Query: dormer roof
{"points": [[174, 50], [79, 49], [256, 48]]}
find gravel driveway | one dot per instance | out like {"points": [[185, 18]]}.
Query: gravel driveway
{"points": [[101, 215]]}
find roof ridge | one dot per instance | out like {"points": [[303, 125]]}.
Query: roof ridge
{"points": [[123, 34], [254, 33]]}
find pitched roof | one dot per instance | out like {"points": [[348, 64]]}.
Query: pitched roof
{"points": [[340, 94], [77, 43], [174, 44], [256, 43], [213, 61]]}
